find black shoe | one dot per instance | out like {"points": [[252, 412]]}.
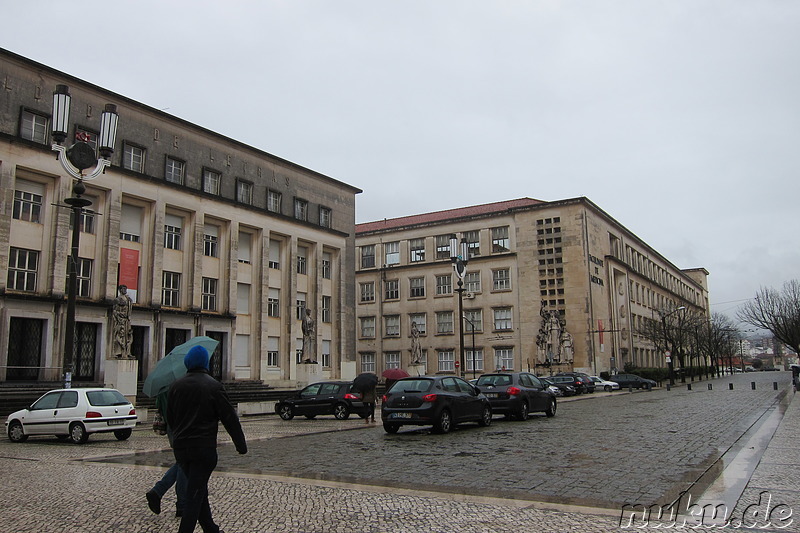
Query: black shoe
{"points": [[178, 513], [153, 501]]}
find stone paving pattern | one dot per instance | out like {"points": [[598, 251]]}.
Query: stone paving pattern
{"points": [[50, 486]]}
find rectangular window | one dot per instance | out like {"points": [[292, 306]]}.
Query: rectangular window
{"points": [[210, 240], [391, 253], [504, 358], [368, 291], [420, 321], [326, 265], [173, 171], [300, 209], [211, 181], [368, 256], [447, 361], [209, 302], [28, 198], [391, 326], [473, 360], [274, 201], [416, 250], [501, 279], [326, 354], [472, 281], [172, 232], [242, 298], [300, 305], [473, 242], [392, 290], [417, 287], [368, 362], [443, 247], [130, 226], [22, 268], [391, 360], [273, 344], [244, 192], [367, 326], [444, 322], [84, 278], [33, 127], [244, 252], [444, 284], [324, 217], [473, 318], [171, 289], [500, 242], [502, 319], [133, 157], [274, 303], [274, 254], [326, 309], [302, 260]]}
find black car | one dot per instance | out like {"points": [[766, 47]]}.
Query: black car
{"points": [[563, 384], [632, 381], [440, 401], [516, 394], [323, 398], [585, 379]]}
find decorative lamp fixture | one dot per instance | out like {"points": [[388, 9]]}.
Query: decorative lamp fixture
{"points": [[108, 131], [61, 104]]}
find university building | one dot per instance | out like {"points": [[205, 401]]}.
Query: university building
{"points": [[211, 237], [548, 287]]}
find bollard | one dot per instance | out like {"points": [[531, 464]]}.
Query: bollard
{"points": [[709, 386], [730, 386], [668, 387], [688, 386], [753, 385], [774, 385], [630, 388]]}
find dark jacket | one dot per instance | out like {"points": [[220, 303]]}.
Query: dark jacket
{"points": [[196, 404]]}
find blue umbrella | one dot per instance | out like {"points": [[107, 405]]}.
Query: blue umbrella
{"points": [[171, 367]]}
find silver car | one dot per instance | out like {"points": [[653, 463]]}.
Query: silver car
{"points": [[74, 414]]}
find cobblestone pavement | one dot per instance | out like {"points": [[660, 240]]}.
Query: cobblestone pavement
{"points": [[326, 475]]}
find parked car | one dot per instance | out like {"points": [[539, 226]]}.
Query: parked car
{"points": [[564, 390], [517, 394], [632, 380], [440, 401], [565, 383], [335, 398], [607, 386], [74, 414], [588, 384]]}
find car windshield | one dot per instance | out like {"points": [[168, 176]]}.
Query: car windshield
{"points": [[102, 398], [412, 385], [495, 380]]}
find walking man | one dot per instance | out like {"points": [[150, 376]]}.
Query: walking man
{"points": [[197, 403]]}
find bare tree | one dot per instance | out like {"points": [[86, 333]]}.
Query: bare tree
{"points": [[776, 311], [717, 338]]}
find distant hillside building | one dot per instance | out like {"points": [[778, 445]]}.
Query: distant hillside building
{"points": [[549, 286], [211, 236]]}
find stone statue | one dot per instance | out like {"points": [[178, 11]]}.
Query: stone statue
{"points": [[416, 351], [121, 324], [566, 346], [309, 339], [553, 335]]}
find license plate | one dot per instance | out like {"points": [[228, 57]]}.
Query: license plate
{"points": [[117, 422], [491, 395], [400, 415]]}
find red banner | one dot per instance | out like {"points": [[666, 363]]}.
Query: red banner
{"points": [[600, 330], [129, 268]]}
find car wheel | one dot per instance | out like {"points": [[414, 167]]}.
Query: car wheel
{"points": [[123, 434], [16, 433], [522, 414], [285, 412], [486, 418], [551, 409], [390, 428], [341, 411], [444, 423], [78, 434], [311, 417], [608, 388]]}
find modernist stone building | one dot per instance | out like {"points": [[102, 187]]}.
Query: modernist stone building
{"points": [[210, 236], [548, 287]]}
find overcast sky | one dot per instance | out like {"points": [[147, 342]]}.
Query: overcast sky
{"points": [[680, 118]]}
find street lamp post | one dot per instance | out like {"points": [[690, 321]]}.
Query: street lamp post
{"points": [[460, 261], [76, 160], [670, 364]]}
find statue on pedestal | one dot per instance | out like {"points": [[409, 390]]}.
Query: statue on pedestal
{"points": [[416, 350], [309, 339], [121, 324]]}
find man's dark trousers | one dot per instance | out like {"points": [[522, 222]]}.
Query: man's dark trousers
{"points": [[197, 464]]}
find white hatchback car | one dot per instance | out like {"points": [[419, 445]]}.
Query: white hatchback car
{"points": [[74, 414], [601, 384]]}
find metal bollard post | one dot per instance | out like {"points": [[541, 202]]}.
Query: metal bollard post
{"points": [[753, 385], [730, 386], [668, 387], [688, 386], [630, 388], [709, 386], [774, 385]]}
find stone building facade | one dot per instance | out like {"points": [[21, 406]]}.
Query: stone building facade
{"points": [[211, 236], [549, 286]]}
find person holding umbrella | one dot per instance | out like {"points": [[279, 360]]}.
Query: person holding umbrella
{"points": [[366, 384], [196, 404]]}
